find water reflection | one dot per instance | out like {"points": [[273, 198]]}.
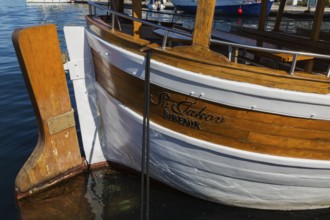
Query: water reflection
{"points": [[66, 201], [111, 194]]}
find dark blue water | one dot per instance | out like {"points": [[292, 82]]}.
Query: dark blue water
{"points": [[104, 194], [17, 123]]}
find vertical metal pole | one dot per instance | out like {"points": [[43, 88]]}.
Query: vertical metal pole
{"points": [[113, 21], [230, 49], [293, 65], [145, 186], [165, 39], [236, 54]]}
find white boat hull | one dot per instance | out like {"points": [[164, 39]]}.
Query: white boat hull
{"points": [[214, 172], [201, 168]]}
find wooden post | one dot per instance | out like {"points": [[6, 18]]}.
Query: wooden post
{"points": [[203, 24], [137, 13], [263, 15], [318, 17], [279, 16], [317, 21], [201, 36], [57, 154]]}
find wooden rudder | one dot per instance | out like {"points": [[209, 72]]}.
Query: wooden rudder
{"points": [[57, 154]]}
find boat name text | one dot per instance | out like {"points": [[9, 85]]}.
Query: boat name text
{"points": [[178, 111]]}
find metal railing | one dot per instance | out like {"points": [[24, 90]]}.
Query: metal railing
{"points": [[93, 6], [295, 54]]}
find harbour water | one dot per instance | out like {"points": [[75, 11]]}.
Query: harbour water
{"points": [[104, 194], [17, 122]]}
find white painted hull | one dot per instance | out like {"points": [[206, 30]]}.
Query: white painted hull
{"points": [[203, 169], [226, 92], [212, 172]]}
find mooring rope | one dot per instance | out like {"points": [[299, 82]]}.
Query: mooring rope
{"points": [[145, 186]]}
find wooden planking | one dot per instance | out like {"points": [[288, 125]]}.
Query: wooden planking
{"points": [[210, 63], [57, 155], [277, 128], [298, 143], [123, 40], [244, 73], [280, 57], [241, 129], [238, 113]]}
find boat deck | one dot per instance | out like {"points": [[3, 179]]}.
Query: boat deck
{"points": [[277, 58], [274, 58]]}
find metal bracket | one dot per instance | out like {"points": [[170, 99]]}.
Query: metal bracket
{"points": [[61, 122]]}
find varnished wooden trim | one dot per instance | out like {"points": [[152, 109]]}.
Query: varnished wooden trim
{"points": [[210, 63], [49, 183], [123, 40], [99, 165], [137, 13], [203, 23], [243, 73], [57, 155], [241, 129]]}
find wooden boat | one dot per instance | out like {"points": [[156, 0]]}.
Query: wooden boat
{"points": [[222, 131], [226, 7]]}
